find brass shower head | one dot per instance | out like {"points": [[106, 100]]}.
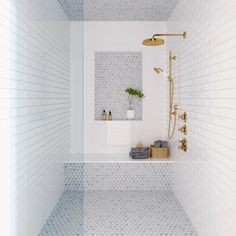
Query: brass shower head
{"points": [[154, 41]]}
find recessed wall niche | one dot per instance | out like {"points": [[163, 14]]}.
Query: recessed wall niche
{"points": [[114, 72]]}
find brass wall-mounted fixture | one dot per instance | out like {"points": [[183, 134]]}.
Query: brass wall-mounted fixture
{"points": [[154, 41], [172, 111], [183, 117], [183, 129], [183, 145]]}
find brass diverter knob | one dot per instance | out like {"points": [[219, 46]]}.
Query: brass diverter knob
{"points": [[183, 129], [183, 145], [183, 117], [175, 110]]}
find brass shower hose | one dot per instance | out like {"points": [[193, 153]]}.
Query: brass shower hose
{"points": [[171, 94]]}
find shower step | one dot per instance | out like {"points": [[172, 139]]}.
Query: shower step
{"points": [[118, 176]]}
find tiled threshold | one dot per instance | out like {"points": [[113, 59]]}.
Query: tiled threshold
{"points": [[112, 158], [113, 212]]}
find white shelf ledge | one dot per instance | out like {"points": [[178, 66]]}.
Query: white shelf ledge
{"points": [[111, 158], [116, 121]]}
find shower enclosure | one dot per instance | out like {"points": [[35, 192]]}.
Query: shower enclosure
{"points": [[65, 169]]}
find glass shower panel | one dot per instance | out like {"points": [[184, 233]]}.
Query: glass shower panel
{"points": [[39, 57]]}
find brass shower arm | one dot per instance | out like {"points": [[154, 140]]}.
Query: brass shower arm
{"points": [[182, 35]]}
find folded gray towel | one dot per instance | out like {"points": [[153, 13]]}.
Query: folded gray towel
{"points": [[164, 144], [160, 144], [139, 150], [157, 144], [139, 153], [140, 157]]}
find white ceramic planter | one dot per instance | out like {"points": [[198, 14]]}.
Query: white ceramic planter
{"points": [[130, 114]]}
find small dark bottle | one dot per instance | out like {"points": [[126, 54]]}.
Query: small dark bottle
{"points": [[104, 115], [109, 116]]}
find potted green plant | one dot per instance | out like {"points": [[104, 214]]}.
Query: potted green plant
{"points": [[132, 93]]}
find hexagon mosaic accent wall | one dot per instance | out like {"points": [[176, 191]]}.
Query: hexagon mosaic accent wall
{"points": [[118, 10], [118, 176], [114, 72]]}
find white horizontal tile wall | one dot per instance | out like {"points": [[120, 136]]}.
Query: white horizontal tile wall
{"points": [[5, 180], [36, 93], [205, 82]]}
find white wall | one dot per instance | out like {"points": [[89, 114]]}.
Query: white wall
{"points": [[118, 136], [205, 81], [35, 106]]}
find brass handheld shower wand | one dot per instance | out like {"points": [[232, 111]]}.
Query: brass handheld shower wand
{"points": [[172, 109]]}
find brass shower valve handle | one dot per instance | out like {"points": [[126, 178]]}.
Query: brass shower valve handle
{"points": [[173, 58], [183, 141], [183, 117], [183, 129], [183, 145], [175, 110]]}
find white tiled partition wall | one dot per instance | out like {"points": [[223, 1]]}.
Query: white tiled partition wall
{"points": [[116, 136], [205, 83], [35, 101]]}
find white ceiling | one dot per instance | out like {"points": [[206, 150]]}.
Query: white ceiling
{"points": [[118, 10]]}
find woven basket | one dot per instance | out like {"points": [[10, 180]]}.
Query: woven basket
{"points": [[158, 153]]}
